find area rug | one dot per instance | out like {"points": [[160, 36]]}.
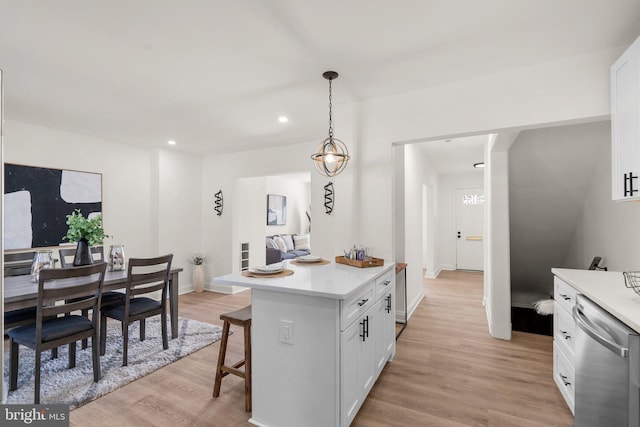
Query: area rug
{"points": [[75, 387]]}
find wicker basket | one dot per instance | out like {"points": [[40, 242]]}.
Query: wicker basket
{"points": [[632, 280]]}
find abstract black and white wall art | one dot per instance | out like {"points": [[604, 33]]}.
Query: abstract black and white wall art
{"points": [[37, 201]]}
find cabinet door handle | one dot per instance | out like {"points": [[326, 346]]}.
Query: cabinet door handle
{"points": [[366, 319], [388, 307], [363, 334], [565, 334], [628, 189], [363, 302], [565, 297], [564, 380]]}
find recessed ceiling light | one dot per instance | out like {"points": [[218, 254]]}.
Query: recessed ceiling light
{"points": [[478, 165], [171, 142], [283, 119]]}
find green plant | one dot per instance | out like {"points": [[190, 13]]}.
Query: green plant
{"points": [[82, 228]]}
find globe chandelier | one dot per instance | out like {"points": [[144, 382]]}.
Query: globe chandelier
{"points": [[331, 155]]}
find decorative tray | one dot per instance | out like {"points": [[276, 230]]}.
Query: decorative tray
{"points": [[368, 262]]}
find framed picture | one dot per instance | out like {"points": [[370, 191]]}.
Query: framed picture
{"points": [[37, 201], [276, 209]]}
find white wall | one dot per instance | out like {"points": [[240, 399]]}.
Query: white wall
{"points": [[331, 233], [606, 228], [249, 219], [179, 178], [418, 172], [150, 198], [550, 174], [298, 201], [566, 90], [497, 277]]}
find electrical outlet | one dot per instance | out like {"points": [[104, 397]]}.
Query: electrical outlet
{"points": [[286, 331]]}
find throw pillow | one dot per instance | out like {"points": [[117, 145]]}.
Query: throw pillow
{"points": [[280, 243], [271, 243], [302, 242], [288, 241]]}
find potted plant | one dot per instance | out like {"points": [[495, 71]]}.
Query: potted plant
{"points": [[197, 260], [86, 232]]}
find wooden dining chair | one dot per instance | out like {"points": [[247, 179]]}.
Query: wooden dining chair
{"points": [[97, 253], [56, 287], [144, 276], [67, 255], [18, 263]]}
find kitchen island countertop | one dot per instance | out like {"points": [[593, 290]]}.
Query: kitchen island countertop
{"points": [[334, 281], [608, 290]]}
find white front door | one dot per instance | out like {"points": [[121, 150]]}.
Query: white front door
{"points": [[469, 229]]}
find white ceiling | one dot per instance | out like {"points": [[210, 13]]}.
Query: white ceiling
{"points": [[215, 75], [455, 155]]}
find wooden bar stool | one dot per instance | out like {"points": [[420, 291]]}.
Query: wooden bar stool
{"points": [[242, 318]]}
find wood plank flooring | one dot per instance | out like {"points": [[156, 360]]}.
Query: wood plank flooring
{"points": [[447, 371]]}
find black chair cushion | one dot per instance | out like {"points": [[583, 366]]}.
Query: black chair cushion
{"points": [[136, 306], [52, 329], [21, 315]]}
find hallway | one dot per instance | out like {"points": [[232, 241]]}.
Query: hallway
{"points": [[449, 371]]}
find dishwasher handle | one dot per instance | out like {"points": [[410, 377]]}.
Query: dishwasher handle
{"points": [[590, 330]]}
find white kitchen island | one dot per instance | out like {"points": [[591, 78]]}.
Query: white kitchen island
{"points": [[320, 338]]}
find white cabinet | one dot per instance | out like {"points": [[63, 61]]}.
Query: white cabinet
{"points": [[352, 397], [385, 329], [366, 344], [625, 125], [358, 364], [563, 340], [344, 335]]}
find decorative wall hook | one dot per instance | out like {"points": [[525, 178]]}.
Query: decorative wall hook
{"points": [[328, 198], [219, 203]]}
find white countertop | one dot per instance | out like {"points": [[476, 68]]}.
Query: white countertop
{"points": [[335, 281], [607, 289]]}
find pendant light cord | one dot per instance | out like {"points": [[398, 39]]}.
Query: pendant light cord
{"points": [[330, 117]]}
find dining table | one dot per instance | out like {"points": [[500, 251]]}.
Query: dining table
{"points": [[21, 292]]}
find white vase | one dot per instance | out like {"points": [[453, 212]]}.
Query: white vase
{"points": [[198, 277]]}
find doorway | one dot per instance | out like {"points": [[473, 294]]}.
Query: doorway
{"points": [[469, 213]]}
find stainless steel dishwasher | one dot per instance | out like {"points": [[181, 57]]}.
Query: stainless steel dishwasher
{"points": [[607, 369]]}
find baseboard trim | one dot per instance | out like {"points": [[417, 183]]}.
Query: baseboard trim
{"points": [[432, 274], [225, 289], [416, 301]]}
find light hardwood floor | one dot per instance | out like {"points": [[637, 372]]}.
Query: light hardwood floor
{"points": [[447, 371]]}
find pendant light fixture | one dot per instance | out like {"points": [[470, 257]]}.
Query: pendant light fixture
{"points": [[332, 155]]}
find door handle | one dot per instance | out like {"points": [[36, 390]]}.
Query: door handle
{"points": [[590, 330], [459, 235], [565, 334]]}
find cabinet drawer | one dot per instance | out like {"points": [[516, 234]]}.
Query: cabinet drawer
{"points": [[564, 333], [564, 376], [564, 295], [352, 307], [383, 283]]}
